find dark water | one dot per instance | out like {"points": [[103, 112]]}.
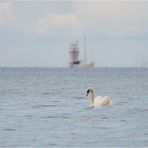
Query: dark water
{"points": [[48, 107]]}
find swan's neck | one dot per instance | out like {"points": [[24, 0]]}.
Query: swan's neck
{"points": [[92, 98]]}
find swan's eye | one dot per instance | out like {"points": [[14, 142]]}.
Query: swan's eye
{"points": [[88, 91]]}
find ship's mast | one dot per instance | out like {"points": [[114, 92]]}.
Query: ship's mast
{"points": [[85, 49]]}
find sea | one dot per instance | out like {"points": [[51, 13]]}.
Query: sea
{"points": [[48, 107]]}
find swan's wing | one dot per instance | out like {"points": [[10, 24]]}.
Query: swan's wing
{"points": [[102, 101]]}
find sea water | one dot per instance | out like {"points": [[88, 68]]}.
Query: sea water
{"points": [[47, 107]]}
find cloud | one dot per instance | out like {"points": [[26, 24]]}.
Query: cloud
{"points": [[106, 18], [56, 23], [5, 13], [114, 19]]}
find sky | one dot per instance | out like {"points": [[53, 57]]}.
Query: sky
{"points": [[38, 33]]}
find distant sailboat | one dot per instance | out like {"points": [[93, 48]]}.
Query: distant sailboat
{"points": [[74, 53]]}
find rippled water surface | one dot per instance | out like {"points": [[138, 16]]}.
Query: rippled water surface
{"points": [[48, 107]]}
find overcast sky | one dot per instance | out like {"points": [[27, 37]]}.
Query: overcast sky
{"points": [[38, 33]]}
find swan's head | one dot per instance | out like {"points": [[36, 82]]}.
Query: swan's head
{"points": [[90, 91]]}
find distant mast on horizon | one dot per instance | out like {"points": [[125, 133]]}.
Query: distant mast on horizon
{"points": [[85, 49], [74, 54]]}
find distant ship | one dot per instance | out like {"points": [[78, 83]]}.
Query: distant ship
{"points": [[74, 54]]}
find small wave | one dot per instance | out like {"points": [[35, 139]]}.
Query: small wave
{"points": [[123, 120], [49, 93], [143, 110], [104, 127], [45, 93], [9, 129], [104, 118], [11, 93], [46, 117], [89, 116], [79, 98], [28, 116], [123, 102], [56, 117], [53, 101], [43, 106], [145, 133]]}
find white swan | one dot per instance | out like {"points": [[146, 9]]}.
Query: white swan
{"points": [[97, 101]]}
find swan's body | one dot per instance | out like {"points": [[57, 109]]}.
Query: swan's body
{"points": [[97, 101]]}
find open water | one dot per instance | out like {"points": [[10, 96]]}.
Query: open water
{"points": [[47, 107]]}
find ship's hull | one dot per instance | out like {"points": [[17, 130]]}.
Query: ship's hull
{"points": [[82, 65]]}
